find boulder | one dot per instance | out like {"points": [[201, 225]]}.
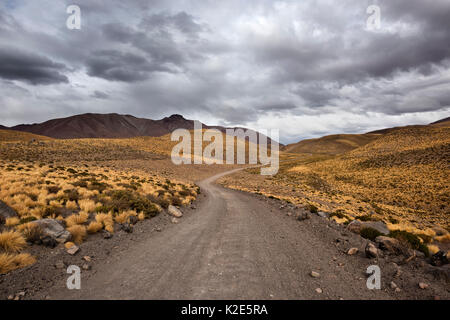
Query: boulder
{"points": [[6, 212], [174, 211], [371, 251], [390, 245], [355, 226], [51, 228]]}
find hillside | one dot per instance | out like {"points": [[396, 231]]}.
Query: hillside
{"points": [[13, 135], [334, 144]]}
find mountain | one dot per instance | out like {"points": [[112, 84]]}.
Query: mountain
{"points": [[342, 143], [113, 125]]}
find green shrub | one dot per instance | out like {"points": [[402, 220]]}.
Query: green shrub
{"points": [[370, 233], [411, 239]]}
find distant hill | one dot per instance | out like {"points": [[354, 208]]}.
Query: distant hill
{"points": [[342, 143], [113, 125], [334, 144], [13, 135]]}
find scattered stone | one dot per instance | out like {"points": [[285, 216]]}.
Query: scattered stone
{"points": [[315, 274], [439, 259], [60, 265], [73, 250], [423, 285], [107, 234], [175, 220], [193, 207], [318, 290], [397, 290], [355, 226], [87, 258], [10, 297], [302, 216], [398, 271], [352, 251], [158, 229], [323, 214], [393, 285], [86, 267], [289, 214], [126, 227], [53, 229], [371, 251], [174, 211]]}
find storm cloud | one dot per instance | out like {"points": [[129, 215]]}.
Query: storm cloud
{"points": [[307, 68]]}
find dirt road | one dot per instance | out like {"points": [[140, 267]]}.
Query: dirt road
{"points": [[236, 246]]}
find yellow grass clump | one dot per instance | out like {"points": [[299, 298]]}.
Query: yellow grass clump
{"points": [[30, 230], [78, 233], [68, 245], [94, 227], [87, 205], [10, 262], [71, 205], [75, 219], [11, 222], [12, 241]]}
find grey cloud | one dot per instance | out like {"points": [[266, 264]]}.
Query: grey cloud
{"points": [[30, 67]]}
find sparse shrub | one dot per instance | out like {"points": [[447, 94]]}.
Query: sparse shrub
{"points": [[367, 217], [370, 233], [10, 262], [313, 209], [12, 241], [78, 233], [339, 214], [53, 189], [410, 239]]}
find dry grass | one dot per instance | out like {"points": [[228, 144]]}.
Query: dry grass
{"points": [[76, 219], [10, 262], [12, 222], [12, 241], [94, 227], [30, 230], [78, 233]]}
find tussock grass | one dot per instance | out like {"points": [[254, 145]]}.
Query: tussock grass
{"points": [[78, 233], [94, 227], [11, 222], [10, 262], [12, 241], [77, 219]]}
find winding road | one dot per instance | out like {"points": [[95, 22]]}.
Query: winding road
{"points": [[234, 246]]}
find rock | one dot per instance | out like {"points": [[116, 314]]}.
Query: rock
{"points": [[393, 285], [397, 290], [323, 214], [318, 290], [289, 214], [174, 211], [355, 226], [87, 258], [440, 273], [126, 227], [371, 251], [390, 245], [352, 251], [49, 242], [175, 220], [73, 250], [133, 220], [53, 229], [6, 212], [11, 297], [439, 259], [86, 267], [107, 234], [423, 285], [302, 216], [60, 265], [315, 274], [158, 229]]}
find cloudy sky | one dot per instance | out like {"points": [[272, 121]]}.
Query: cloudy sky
{"points": [[306, 67]]}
